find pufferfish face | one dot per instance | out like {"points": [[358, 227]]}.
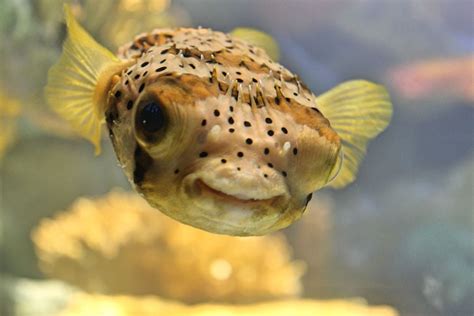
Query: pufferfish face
{"points": [[216, 144]]}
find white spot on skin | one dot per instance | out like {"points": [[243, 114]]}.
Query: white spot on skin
{"points": [[286, 146], [215, 132]]}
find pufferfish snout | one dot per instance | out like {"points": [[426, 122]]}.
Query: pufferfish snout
{"points": [[210, 130]]}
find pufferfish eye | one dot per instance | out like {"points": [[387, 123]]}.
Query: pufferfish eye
{"points": [[150, 119]]}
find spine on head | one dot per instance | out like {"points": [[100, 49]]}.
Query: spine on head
{"points": [[358, 111], [79, 82]]}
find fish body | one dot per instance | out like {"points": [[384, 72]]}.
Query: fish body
{"points": [[212, 131]]}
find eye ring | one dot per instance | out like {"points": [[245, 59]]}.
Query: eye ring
{"points": [[150, 120]]}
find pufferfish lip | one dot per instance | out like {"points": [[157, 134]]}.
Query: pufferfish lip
{"points": [[206, 188]]}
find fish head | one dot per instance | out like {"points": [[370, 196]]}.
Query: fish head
{"points": [[216, 160]]}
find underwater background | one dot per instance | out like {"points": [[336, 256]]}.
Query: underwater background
{"points": [[74, 239]]}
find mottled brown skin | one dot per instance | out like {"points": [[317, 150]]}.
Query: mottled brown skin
{"points": [[244, 144]]}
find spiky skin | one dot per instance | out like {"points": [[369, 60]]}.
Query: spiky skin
{"points": [[244, 146]]}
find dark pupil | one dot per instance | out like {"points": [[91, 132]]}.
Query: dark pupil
{"points": [[152, 117]]}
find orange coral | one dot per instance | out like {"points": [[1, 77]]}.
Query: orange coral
{"points": [[86, 305], [118, 244]]}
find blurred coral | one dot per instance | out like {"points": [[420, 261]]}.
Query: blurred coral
{"points": [[86, 305], [9, 112], [118, 244]]}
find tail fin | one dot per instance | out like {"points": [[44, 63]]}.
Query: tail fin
{"points": [[78, 82], [358, 111]]}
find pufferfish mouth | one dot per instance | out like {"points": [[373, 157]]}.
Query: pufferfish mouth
{"points": [[207, 189]]}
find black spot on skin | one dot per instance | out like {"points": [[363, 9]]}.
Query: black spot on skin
{"points": [[266, 151], [247, 124], [295, 94], [224, 73], [277, 100], [265, 175], [137, 76], [231, 108], [284, 173], [129, 105], [239, 80], [162, 61], [231, 130], [217, 113], [203, 123], [238, 72], [145, 73], [284, 130], [176, 171], [270, 133], [160, 69], [254, 80], [309, 197], [238, 169], [142, 86], [118, 93], [192, 66], [143, 162], [295, 151], [268, 120], [164, 51], [223, 160], [288, 100], [144, 64], [231, 120], [203, 154], [126, 82], [249, 141], [240, 154], [111, 115], [270, 165]]}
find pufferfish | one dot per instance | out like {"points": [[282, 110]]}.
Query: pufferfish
{"points": [[210, 130]]}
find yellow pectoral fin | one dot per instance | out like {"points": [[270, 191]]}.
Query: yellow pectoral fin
{"points": [[358, 111], [259, 39], [77, 83]]}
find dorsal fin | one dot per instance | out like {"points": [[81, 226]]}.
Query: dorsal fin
{"points": [[259, 39], [358, 111], [78, 83]]}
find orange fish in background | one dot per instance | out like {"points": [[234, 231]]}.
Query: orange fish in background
{"points": [[432, 78]]}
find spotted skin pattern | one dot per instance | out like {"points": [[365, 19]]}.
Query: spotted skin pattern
{"points": [[243, 129]]}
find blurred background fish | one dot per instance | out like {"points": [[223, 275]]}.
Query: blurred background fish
{"points": [[449, 78]]}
